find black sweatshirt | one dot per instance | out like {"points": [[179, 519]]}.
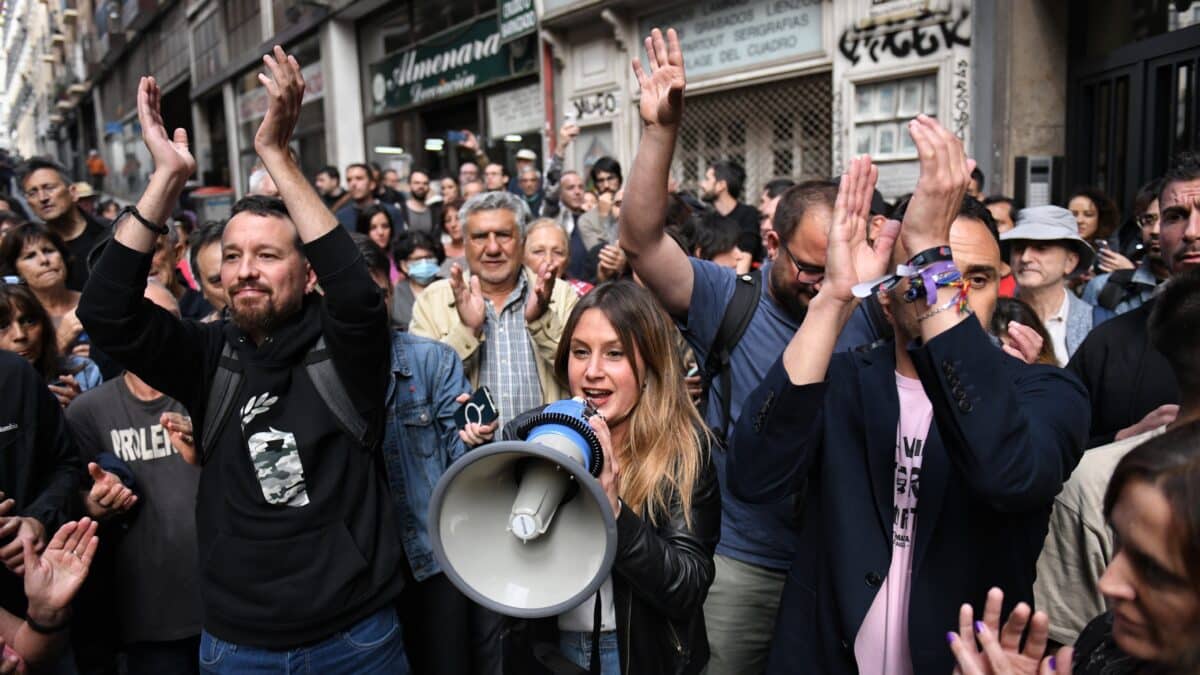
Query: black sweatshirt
{"points": [[296, 540], [39, 464]]}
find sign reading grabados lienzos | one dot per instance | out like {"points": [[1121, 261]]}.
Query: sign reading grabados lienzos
{"points": [[518, 18], [446, 65]]}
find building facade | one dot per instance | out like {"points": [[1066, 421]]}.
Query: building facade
{"points": [[1046, 94]]}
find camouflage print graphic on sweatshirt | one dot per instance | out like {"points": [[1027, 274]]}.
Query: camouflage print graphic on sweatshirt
{"points": [[277, 463]]}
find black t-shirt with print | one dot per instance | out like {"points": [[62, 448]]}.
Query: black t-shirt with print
{"points": [[156, 574]]}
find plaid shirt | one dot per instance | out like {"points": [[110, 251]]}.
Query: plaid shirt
{"points": [[507, 363]]}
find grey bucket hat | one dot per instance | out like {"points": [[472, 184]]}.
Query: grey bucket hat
{"points": [[1050, 223]]}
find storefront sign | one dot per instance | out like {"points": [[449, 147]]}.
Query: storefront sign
{"points": [[252, 105], [720, 36], [445, 66], [518, 18], [594, 106], [515, 112]]}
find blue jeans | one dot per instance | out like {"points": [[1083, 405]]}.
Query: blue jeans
{"points": [[577, 647], [370, 647]]}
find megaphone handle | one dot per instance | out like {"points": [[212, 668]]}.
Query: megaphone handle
{"points": [[596, 614]]}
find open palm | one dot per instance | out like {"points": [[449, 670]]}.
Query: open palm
{"points": [[170, 153], [662, 90], [53, 577], [850, 257]]}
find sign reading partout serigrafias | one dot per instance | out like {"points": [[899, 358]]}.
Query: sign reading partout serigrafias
{"points": [[451, 63]]}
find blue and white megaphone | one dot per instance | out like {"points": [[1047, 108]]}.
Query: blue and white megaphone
{"points": [[523, 527]]}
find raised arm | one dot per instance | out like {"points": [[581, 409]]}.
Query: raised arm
{"points": [[141, 336], [849, 260], [285, 87], [173, 164], [656, 258]]}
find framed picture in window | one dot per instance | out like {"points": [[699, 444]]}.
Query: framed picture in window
{"points": [[885, 140], [885, 100], [864, 139], [910, 98]]}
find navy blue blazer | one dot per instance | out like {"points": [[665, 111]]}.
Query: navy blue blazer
{"points": [[1005, 437]]}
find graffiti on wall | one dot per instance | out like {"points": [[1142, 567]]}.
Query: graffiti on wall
{"points": [[921, 35], [960, 114]]}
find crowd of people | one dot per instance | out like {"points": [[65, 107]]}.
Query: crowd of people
{"points": [[835, 429]]}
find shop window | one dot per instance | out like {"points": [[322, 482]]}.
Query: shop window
{"points": [[242, 19], [206, 42], [882, 111], [772, 130]]}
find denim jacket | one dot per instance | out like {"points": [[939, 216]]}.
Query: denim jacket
{"points": [[422, 438]]}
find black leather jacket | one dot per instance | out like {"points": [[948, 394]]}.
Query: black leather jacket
{"points": [[661, 577]]}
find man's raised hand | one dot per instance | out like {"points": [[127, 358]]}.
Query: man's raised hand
{"points": [[285, 90], [661, 101], [945, 176], [468, 299], [850, 258], [170, 153], [53, 577]]}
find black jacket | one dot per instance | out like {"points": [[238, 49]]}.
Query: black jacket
{"points": [[1004, 438], [283, 562], [661, 577], [39, 463], [1125, 377]]}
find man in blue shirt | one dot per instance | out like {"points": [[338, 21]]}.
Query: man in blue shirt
{"points": [[757, 542]]}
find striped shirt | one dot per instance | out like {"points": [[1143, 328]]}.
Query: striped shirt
{"points": [[507, 363]]}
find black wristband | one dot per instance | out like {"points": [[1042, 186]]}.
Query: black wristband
{"points": [[132, 210], [46, 630], [930, 256]]}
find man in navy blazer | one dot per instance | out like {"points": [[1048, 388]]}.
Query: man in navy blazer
{"points": [[890, 545]]}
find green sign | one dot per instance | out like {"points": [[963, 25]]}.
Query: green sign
{"points": [[446, 65], [518, 18]]}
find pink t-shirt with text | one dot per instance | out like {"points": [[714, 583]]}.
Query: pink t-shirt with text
{"points": [[881, 646]]}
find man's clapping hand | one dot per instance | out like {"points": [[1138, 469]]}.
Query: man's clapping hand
{"points": [[109, 496], [16, 530]]}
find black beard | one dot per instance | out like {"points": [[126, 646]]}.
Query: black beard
{"points": [[258, 322]]}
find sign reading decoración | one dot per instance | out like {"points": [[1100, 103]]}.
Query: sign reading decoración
{"points": [[455, 62]]}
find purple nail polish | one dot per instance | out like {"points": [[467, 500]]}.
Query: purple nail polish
{"points": [[951, 637], [1053, 664], [979, 627]]}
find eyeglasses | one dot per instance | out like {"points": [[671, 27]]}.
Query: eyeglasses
{"points": [[1147, 220], [815, 274]]}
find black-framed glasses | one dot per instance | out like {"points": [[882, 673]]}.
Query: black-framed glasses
{"points": [[813, 273], [1147, 220]]}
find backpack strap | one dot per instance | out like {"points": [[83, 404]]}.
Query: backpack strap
{"points": [[734, 322], [325, 379], [1115, 289], [222, 393]]}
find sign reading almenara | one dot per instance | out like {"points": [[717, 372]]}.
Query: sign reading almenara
{"points": [[446, 65]]}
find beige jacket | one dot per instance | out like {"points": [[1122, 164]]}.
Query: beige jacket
{"points": [[435, 316]]}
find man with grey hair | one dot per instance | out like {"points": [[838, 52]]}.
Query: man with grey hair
{"points": [[503, 320], [1045, 251]]}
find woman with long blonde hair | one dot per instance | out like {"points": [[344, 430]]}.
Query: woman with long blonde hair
{"points": [[618, 352]]}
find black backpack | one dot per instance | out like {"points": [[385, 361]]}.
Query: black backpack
{"points": [[227, 382], [1117, 288], [734, 322]]}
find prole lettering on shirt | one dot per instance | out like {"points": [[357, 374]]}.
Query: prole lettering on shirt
{"points": [[141, 444]]}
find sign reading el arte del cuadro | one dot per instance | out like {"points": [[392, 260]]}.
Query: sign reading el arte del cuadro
{"points": [[455, 62]]}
